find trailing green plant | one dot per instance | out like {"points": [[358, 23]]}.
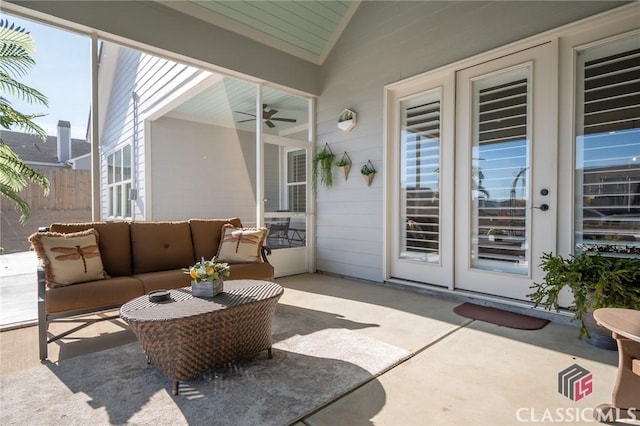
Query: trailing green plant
{"points": [[596, 282], [16, 48], [322, 163]]}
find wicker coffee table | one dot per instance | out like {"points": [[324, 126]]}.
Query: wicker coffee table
{"points": [[187, 335]]}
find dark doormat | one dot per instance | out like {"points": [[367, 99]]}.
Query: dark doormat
{"points": [[500, 317]]}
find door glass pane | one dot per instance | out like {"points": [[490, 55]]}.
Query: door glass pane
{"points": [[285, 125], [499, 172], [420, 180], [608, 149]]}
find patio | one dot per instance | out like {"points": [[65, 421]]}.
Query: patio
{"points": [[460, 371]]}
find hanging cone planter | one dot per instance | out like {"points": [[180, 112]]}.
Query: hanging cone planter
{"points": [[369, 178], [345, 171], [344, 164], [368, 172]]}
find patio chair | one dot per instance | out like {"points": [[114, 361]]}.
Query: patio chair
{"points": [[278, 236]]}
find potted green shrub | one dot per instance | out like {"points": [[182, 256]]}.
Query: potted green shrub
{"points": [[596, 282], [322, 163]]}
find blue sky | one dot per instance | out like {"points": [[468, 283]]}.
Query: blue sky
{"points": [[62, 73]]}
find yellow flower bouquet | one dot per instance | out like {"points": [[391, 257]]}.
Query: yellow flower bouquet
{"points": [[208, 270], [206, 277]]}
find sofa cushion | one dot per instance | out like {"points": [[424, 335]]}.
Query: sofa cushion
{"points": [[114, 243], [160, 246], [251, 271], [206, 233], [165, 280], [92, 295], [69, 258], [241, 245]]}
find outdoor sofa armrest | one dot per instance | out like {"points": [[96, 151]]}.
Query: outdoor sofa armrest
{"points": [[42, 315], [265, 251]]}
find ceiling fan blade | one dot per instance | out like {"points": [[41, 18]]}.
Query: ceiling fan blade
{"points": [[269, 124], [288, 120], [245, 113], [244, 121]]}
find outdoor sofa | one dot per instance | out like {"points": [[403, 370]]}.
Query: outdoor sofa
{"points": [[133, 258]]}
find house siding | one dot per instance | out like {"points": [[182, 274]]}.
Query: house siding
{"points": [[153, 80], [200, 181], [386, 42]]}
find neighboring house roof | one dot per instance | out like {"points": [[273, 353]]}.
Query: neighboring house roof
{"points": [[31, 148]]}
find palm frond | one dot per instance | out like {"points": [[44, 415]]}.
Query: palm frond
{"points": [[20, 90], [25, 210], [12, 119], [12, 34], [16, 48], [15, 173]]}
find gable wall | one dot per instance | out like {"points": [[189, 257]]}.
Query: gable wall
{"points": [[386, 42], [151, 78]]}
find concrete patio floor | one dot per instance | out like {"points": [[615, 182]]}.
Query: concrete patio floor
{"points": [[462, 372]]}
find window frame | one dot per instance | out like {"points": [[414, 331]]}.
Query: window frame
{"points": [[118, 187]]}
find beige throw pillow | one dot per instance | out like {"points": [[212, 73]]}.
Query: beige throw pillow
{"points": [[69, 258], [241, 245]]}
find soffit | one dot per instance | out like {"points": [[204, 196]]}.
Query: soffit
{"points": [[306, 29], [231, 102]]}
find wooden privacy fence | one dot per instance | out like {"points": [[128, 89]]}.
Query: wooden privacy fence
{"points": [[70, 189], [69, 201]]}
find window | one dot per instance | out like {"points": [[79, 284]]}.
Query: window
{"points": [[296, 180], [119, 182], [608, 148], [420, 182], [500, 163]]}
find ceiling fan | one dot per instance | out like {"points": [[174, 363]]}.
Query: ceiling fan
{"points": [[267, 115]]}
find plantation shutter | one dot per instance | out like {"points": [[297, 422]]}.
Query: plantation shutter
{"points": [[420, 130], [500, 166], [608, 151]]}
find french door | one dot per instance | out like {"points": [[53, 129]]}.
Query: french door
{"points": [[476, 182], [506, 173]]}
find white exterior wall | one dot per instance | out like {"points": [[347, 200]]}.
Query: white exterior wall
{"points": [[153, 79], [386, 42], [201, 171]]}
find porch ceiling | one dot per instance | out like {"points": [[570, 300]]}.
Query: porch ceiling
{"points": [[306, 29], [221, 101]]}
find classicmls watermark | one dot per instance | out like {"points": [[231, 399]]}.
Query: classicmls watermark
{"points": [[575, 383], [575, 414]]}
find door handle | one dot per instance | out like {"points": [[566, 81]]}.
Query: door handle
{"points": [[542, 207]]}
